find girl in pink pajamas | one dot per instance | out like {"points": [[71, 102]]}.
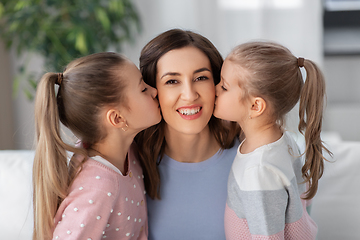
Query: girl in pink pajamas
{"points": [[98, 193]]}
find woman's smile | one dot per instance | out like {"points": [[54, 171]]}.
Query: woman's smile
{"points": [[190, 113]]}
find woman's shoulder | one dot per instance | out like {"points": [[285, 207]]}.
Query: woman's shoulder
{"points": [[226, 156], [232, 149]]}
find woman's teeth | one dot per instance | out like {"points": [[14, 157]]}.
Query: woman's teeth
{"points": [[189, 111]]}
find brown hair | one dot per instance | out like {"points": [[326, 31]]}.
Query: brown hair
{"points": [[151, 141], [273, 74], [87, 84]]}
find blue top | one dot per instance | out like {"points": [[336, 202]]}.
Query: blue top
{"points": [[193, 198]]}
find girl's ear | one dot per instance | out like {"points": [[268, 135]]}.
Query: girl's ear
{"points": [[115, 119], [258, 106]]}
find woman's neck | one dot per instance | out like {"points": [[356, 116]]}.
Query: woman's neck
{"points": [[190, 148], [256, 136]]}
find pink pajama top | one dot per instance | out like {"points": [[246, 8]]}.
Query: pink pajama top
{"points": [[104, 204]]}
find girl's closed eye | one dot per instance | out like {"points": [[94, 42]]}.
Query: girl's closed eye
{"points": [[144, 90], [223, 88]]}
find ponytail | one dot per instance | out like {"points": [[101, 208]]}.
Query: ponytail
{"points": [[312, 98], [50, 170]]}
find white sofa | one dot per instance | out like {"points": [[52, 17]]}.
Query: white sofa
{"points": [[336, 207], [16, 213]]}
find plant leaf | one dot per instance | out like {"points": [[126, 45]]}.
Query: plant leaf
{"points": [[64, 30], [2, 9], [80, 42], [103, 18], [29, 95], [33, 83], [14, 26], [20, 5], [116, 6], [16, 84]]}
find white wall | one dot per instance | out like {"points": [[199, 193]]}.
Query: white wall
{"points": [[343, 95], [295, 23], [23, 109]]}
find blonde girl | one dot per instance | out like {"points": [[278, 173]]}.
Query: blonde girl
{"points": [[99, 193], [267, 196]]}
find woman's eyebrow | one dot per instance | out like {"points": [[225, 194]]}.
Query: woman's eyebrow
{"points": [[178, 74], [170, 74], [202, 70]]}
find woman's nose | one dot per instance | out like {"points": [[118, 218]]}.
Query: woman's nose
{"points": [[189, 92]]}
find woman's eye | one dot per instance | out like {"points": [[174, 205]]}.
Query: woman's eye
{"points": [[171, 81], [201, 78], [223, 88], [144, 90]]}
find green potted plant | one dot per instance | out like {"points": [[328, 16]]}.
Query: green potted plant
{"points": [[63, 30]]}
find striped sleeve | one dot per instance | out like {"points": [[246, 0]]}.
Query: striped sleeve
{"points": [[261, 200]]}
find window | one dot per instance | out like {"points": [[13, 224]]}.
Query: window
{"points": [[341, 27]]}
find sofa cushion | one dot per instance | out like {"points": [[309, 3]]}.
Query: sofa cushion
{"points": [[16, 211], [336, 206]]}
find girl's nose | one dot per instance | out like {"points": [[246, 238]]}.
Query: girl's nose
{"points": [[217, 89], [153, 91]]}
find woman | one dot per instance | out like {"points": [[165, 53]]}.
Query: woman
{"points": [[190, 151]]}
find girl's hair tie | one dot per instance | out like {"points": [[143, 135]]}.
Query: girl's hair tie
{"points": [[301, 62], [85, 145], [60, 77]]}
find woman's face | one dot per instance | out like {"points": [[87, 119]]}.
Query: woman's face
{"points": [[186, 89]]}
